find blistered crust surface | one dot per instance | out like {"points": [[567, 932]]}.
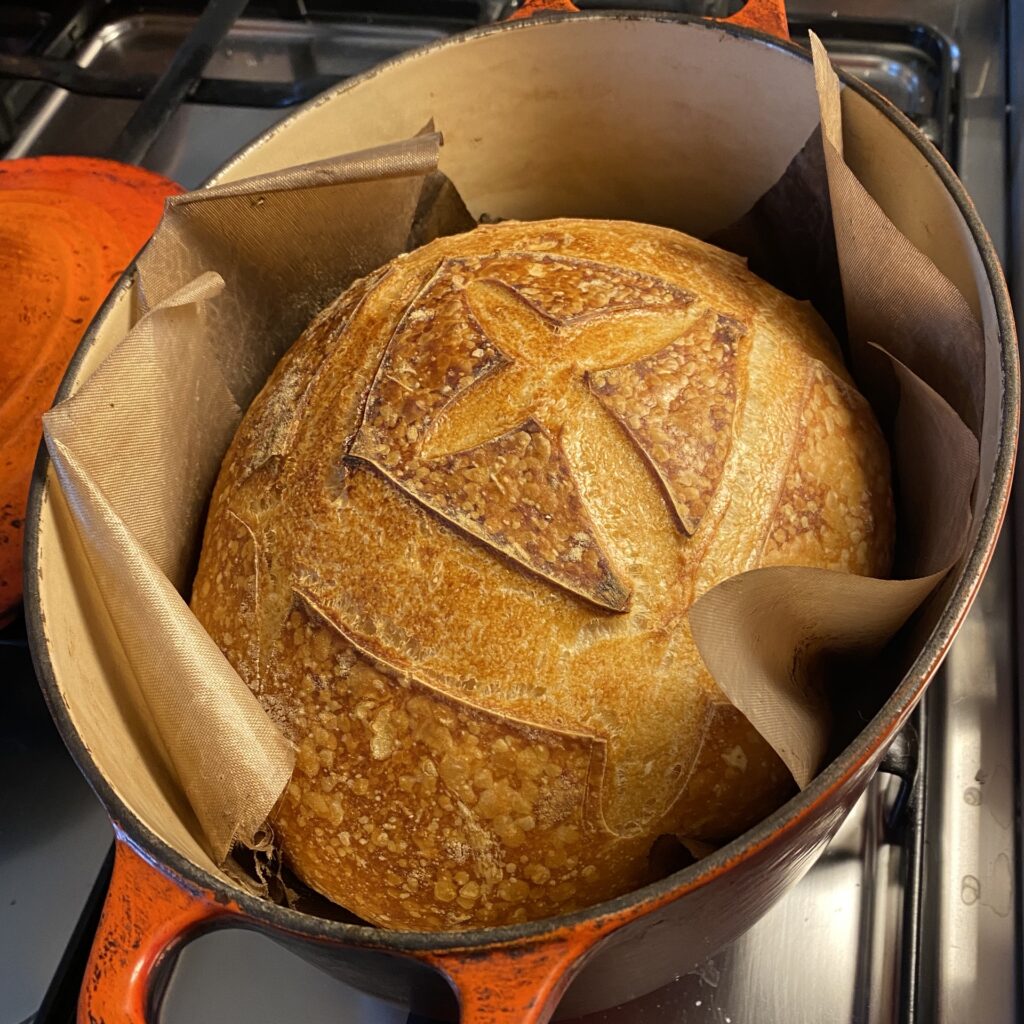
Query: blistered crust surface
{"points": [[454, 542], [678, 405], [455, 814], [835, 498]]}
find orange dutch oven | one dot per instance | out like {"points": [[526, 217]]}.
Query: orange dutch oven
{"points": [[675, 120]]}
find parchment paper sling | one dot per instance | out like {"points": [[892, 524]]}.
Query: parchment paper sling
{"points": [[138, 448]]}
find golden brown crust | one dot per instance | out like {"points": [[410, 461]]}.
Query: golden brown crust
{"points": [[678, 405], [455, 539], [834, 499]]}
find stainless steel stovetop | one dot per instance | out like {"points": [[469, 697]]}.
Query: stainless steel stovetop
{"points": [[912, 914]]}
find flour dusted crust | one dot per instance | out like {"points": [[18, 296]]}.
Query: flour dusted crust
{"points": [[454, 542]]}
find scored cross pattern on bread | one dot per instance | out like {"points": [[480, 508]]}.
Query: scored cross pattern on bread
{"points": [[485, 445]]}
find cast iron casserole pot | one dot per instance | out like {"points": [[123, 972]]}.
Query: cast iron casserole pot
{"points": [[646, 117]]}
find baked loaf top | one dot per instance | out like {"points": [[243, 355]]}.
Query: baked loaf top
{"points": [[453, 545]]}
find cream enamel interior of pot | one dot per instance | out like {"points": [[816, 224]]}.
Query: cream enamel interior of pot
{"points": [[671, 122]]}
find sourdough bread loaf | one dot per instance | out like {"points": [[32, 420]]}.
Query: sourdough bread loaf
{"points": [[454, 542]]}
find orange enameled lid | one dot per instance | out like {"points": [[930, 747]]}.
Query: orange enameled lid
{"points": [[68, 228]]}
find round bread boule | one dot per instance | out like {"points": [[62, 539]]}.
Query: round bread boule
{"points": [[455, 539]]}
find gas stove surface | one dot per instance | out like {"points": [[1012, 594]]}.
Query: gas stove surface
{"points": [[911, 914]]}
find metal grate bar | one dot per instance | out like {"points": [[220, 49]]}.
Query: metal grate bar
{"points": [[65, 74], [174, 84]]}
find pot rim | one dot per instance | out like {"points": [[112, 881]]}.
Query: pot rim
{"points": [[868, 742]]}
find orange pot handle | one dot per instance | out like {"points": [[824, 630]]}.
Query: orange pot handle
{"points": [[148, 916], [521, 983], [146, 919], [768, 16]]}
